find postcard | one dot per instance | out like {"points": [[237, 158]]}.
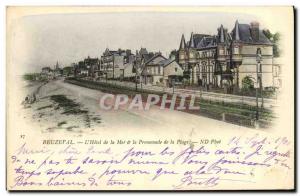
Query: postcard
{"points": [[150, 98]]}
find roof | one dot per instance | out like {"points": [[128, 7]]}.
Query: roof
{"points": [[151, 59], [154, 57], [182, 43], [244, 35], [148, 56], [241, 32], [166, 62], [206, 42], [108, 52], [192, 41], [198, 38]]}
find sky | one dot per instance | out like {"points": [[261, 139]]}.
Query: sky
{"points": [[69, 38]]}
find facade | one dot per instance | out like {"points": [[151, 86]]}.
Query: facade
{"points": [[91, 65], [47, 73], [172, 72], [80, 70], [140, 58], [152, 71], [128, 72], [46, 70], [277, 66], [112, 63], [227, 58]]}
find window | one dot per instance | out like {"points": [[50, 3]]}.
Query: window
{"points": [[221, 52], [236, 50], [175, 69]]}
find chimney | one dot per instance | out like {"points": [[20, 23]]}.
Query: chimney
{"points": [[254, 30]]}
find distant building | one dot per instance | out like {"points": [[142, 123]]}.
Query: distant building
{"points": [[112, 63], [142, 56], [227, 58], [91, 65], [80, 69], [129, 71], [68, 71], [57, 70], [46, 70], [47, 73]]}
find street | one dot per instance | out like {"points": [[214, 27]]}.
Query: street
{"points": [[89, 118]]}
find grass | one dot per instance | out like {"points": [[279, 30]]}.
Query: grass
{"points": [[30, 76], [231, 109]]}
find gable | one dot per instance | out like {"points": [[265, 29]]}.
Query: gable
{"points": [[172, 65], [155, 60]]}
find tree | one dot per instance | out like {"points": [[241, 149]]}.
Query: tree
{"points": [[274, 38], [247, 83], [67, 71]]}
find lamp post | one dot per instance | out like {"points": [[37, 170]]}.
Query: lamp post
{"points": [[259, 60], [258, 78], [141, 79], [173, 83], [136, 85]]}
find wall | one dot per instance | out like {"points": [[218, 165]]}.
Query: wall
{"points": [[128, 70], [248, 66]]}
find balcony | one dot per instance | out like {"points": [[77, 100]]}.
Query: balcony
{"points": [[221, 58], [237, 58]]}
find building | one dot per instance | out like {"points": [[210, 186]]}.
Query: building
{"points": [[225, 59], [68, 70], [57, 71], [129, 72], [152, 70], [277, 70], [47, 73], [91, 65], [142, 56], [172, 72], [46, 70], [112, 63], [80, 69]]}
